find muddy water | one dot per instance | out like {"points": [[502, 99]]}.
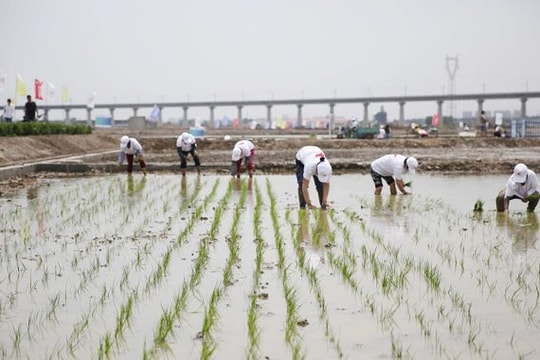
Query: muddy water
{"points": [[416, 276]]}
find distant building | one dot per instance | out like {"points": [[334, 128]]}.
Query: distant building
{"points": [[381, 117]]}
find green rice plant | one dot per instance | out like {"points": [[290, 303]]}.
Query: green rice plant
{"points": [[165, 326], [432, 277], [16, 340], [124, 279], [253, 328], [123, 318], [76, 335], [54, 302], [396, 347], [210, 317], [105, 346], [478, 206]]}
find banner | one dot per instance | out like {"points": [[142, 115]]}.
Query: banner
{"points": [[37, 89], [91, 101], [51, 91], [3, 78], [154, 114], [65, 98], [20, 87], [435, 120]]}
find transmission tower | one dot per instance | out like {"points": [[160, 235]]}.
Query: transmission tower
{"points": [[452, 66]]}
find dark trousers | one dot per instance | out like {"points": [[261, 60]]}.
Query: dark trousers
{"points": [[129, 158], [183, 157], [300, 178], [531, 202]]}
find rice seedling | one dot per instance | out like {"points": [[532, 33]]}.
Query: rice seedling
{"points": [[105, 347], [478, 206], [165, 326], [16, 340]]}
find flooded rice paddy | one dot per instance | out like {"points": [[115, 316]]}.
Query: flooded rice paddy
{"points": [[208, 267]]}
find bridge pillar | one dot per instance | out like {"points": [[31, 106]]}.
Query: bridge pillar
{"points": [[239, 115], [440, 112], [135, 110], [269, 116], [111, 110], [401, 111], [366, 114], [185, 119], [67, 116], [212, 122], [89, 116], [523, 108], [299, 117], [331, 120]]}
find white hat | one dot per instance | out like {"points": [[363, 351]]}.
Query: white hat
{"points": [[520, 173], [236, 154], [324, 171], [185, 138], [123, 141], [412, 164]]}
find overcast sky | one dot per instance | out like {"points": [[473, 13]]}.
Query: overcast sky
{"points": [[177, 50]]}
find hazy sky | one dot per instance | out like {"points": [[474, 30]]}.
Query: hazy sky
{"points": [[177, 50]]}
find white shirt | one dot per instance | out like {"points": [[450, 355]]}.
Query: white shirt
{"points": [[310, 156], [185, 141], [522, 191], [9, 111], [390, 165], [135, 148], [245, 146]]}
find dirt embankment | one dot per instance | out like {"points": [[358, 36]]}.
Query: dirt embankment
{"points": [[435, 154], [275, 153]]}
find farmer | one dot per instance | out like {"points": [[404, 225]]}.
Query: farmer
{"points": [[391, 168], [187, 144], [523, 185], [311, 162], [243, 150], [131, 149]]}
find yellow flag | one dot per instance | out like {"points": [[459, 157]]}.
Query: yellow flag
{"points": [[64, 95], [20, 86]]}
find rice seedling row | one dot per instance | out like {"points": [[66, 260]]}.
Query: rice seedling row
{"points": [[199, 267]]}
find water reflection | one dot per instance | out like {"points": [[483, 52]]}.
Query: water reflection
{"points": [[522, 228], [184, 193], [312, 244], [392, 214], [135, 187], [238, 183], [183, 187], [32, 194], [392, 206]]}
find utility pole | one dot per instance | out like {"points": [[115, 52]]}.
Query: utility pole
{"points": [[452, 66]]}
